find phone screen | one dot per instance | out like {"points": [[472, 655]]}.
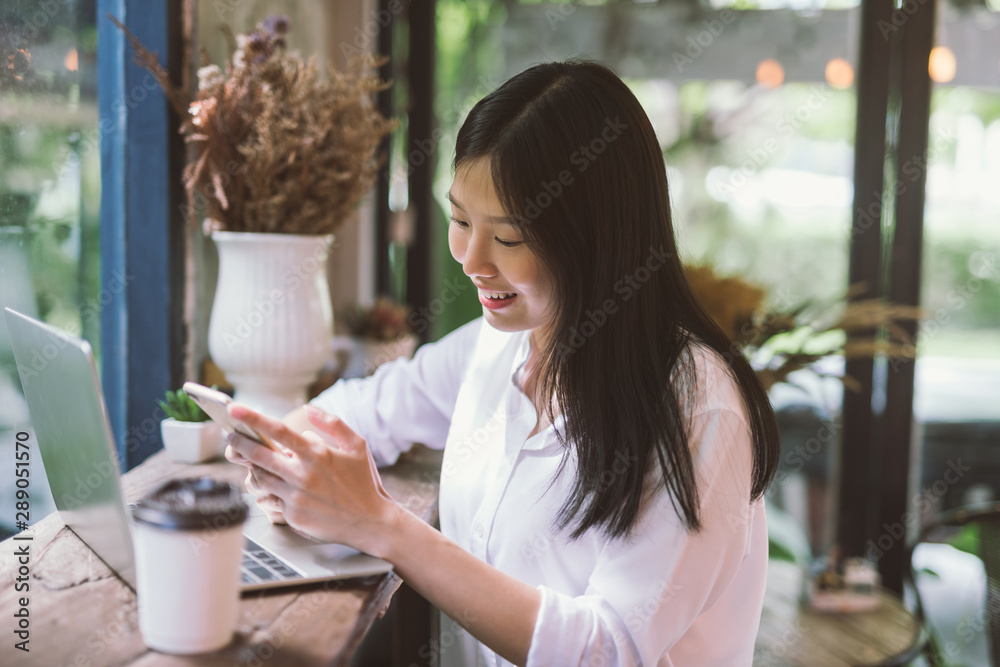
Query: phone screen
{"points": [[215, 404]]}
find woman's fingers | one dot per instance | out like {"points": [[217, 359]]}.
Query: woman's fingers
{"points": [[268, 482], [252, 453], [233, 454], [271, 504], [272, 428], [324, 483], [273, 509], [341, 434]]}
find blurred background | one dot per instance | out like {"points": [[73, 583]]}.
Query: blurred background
{"points": [[754, 105]]}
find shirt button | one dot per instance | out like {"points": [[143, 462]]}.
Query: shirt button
{"points": [[479, 531]]}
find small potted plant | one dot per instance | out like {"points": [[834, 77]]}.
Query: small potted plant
{"points": [[189, 436]]}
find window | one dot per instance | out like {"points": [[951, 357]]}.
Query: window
{"points": [[50, 189]]}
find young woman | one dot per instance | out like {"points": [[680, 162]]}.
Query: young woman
{"points": [[606, 448]]}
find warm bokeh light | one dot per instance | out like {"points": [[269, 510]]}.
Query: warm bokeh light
{"points": [[70, 61], [839, 73], [770, 73], [941, 65], [19, 63]]}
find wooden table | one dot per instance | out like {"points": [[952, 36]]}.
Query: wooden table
{"points": [[793, 635], [81, 614]]}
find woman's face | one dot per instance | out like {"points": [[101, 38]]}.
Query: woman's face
{"points": [[493, 254]]}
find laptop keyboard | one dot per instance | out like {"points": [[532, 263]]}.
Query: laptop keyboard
{"points": [[260, 565]]}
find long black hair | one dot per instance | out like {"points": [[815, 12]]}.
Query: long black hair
{"points": [[576, 163]]}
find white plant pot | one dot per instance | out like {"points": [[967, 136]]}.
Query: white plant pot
{"points": [[271, 323], [192, 442]]}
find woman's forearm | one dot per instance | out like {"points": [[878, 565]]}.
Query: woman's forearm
{"points": [[492, 606]]}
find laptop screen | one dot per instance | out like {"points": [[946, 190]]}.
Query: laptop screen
{"points": [[64, 396]]}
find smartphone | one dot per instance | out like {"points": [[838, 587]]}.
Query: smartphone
{"points": [[215, 403]]}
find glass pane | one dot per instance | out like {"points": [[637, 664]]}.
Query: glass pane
{"points": [[758, 138], [49, 199], [957, 393]]}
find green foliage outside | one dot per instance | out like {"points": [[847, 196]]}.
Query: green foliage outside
{"points": [[49, 157]]}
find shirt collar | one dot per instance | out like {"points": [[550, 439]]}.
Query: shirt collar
{"points": [[546, 436]]}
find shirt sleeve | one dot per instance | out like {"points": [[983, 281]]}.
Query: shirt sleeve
{"points": [[406, 400], [647, 591]]}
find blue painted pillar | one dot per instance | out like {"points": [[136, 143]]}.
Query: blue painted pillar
{"points": [[141, 236]]}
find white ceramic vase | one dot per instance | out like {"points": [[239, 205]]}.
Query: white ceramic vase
{"points": [[271, 324]]}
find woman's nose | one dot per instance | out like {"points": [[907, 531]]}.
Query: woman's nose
{"points": [[477, 260]]}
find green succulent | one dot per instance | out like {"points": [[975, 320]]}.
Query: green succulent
{"points": [[181, 407]]}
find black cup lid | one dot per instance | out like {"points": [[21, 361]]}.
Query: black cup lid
{"points": [[192, 503]]}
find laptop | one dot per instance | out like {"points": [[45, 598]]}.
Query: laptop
{"points": [[74, 437]]}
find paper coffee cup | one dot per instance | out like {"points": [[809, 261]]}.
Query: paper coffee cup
{"points": [[188, 545]]}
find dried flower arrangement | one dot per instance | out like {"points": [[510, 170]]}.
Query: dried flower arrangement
{"points": [[384, 321], [781, 342], [276, 149]]}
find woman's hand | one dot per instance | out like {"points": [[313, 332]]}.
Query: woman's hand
{"points": [[330, 489], [332, 493], [264, 500]]}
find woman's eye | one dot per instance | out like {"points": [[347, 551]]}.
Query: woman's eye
{"points": [[507, 244]]}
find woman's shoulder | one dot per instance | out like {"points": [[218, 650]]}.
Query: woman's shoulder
{"points": [[706, 381]]}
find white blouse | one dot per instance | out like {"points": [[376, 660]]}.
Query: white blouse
{"points": [[665, 597]]}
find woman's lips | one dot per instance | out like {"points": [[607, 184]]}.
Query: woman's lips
{"points": [[496, 304]]}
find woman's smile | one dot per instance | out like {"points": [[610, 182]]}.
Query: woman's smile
{"points": [[495, 300]]}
